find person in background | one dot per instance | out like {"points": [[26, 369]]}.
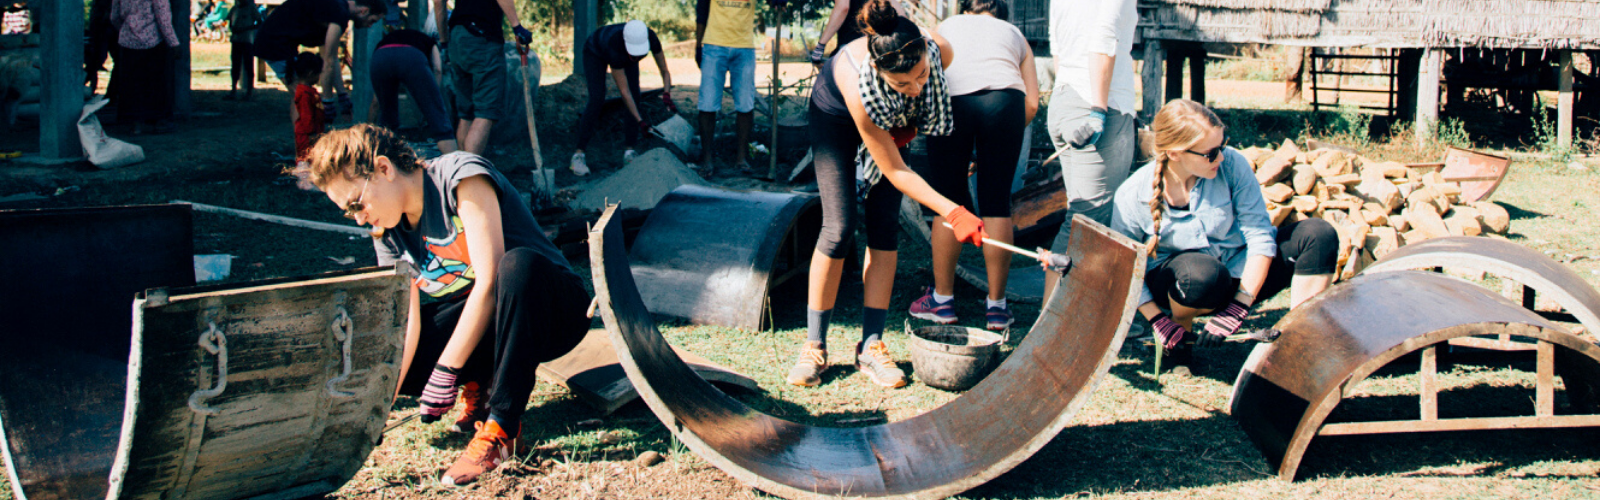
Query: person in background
{"points": [[870, 100], [619, 47], [474, 43], [505, 298], [411, 58], [144, 64], [1091, 117], [724, 45], [310, 119], [841, 22], [1212, 248], [242, 23], [314, 23], [994, 93], [102, 41]]}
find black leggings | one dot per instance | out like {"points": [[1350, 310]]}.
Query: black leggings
{"points": [[538, 316], [990, 121], [1195, 279], [834, 140], [595, 74]]}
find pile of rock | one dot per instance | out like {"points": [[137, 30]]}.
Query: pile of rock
{"points": [[1377, 206]]}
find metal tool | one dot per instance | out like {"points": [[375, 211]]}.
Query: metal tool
{"points": [[1009, 247], [403, 421]]}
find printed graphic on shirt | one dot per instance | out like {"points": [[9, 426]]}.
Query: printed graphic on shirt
{"points": [[449, 267]]}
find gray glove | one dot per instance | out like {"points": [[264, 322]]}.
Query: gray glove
{"points": [[1089, 131]]}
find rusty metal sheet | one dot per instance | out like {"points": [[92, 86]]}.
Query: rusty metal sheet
{"points": [[1479, 173], [1287, 389], [710, 255], [64, 352], [983, 433], [1507, 260], [1026, 284], [592, 372]]}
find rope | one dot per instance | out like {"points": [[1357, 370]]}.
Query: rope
{"points": [[214, 342], [342, 332]]}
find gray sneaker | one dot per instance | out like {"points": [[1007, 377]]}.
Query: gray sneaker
{"points": [[807, 371], [873, 361], [579, 166]]}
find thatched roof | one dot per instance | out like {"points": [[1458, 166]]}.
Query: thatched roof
{"points": [[1382, 23]]}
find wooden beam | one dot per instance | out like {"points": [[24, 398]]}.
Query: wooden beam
{"points": [[1197, 74], [585, 19], [1564, 101], [1427, 116], [1430, 388], [61, 79], [1459, 424], [1175, 53], [1544, 402], [1150, 78]]}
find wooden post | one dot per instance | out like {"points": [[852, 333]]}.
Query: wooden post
{"points": [[182, 99], [1428, 95], [585, 15], [417, 13], [772, 102], [61, 81], [1429, 390], [1564, 101], [1197, 73], [365, 43], [1174, 71], [1150, 78]]}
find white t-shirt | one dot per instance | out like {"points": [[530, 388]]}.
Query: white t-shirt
{"points": [[1081, 27], [989, 54]]}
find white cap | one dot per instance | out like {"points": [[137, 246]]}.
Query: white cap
{"points": [[636, 37]]}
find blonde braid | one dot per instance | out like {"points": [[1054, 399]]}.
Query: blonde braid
{"points": [[1157, 184]]}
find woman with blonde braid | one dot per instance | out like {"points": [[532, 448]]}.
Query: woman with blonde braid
{"points": [[1213, 249]]}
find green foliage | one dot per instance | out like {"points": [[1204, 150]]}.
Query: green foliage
{"points": [[1453, 132], [672, 19], [551, 24], [1354, 125], [1547, 139]]}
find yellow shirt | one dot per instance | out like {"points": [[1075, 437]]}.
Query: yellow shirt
{"points": [[731, 23]]}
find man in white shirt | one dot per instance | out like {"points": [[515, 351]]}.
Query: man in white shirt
{"points": [[1091, 108]]}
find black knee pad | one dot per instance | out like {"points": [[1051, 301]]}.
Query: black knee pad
{"points": [[1199, 281], [1313, 246]]}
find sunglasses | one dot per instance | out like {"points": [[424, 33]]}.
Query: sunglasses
{"points": [[1212, 155], [355, 207]]}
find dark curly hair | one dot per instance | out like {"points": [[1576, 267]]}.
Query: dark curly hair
{"points": [[305, 67], [996, 8], [894, 42]]}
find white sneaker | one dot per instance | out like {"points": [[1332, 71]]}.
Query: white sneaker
{"points": [[627, 156], [578, 165]]}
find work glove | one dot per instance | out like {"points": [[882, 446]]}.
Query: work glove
{"points": [[968, 227], [1168, 332], [817, 53], [330, 108], [440, 394], [644, 128], [524, 36], [1056, 262], [666, 98], [1089, 131], [1225, 323]]}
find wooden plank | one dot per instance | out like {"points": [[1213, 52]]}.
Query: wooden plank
{"points": [[1150, 79], [1459, 424], [1544, 402], [1430, 387], [1564, 101], [1427, 116], [61, 79]]}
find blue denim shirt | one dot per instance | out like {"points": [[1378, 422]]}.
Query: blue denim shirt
{"points": [[1226, 218]]}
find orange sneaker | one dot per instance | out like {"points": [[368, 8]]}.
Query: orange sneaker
{"points": [[474, 404], [488, 449]]}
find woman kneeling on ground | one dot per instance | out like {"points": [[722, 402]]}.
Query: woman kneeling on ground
{"points": [[1213, 249], [507, 298], [870, 99]]}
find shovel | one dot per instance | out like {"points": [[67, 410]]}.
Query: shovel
{"points": [[543, 184]]}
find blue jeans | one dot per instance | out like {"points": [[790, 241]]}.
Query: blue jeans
{"points": [[740, 64]]}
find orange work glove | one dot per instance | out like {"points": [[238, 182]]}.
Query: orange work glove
{"points": [[968, 227]]}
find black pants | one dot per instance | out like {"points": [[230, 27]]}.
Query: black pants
{"points": [[538, 316], [393, 67], [990, 121], [143, 81], [595, 75], [1197, 280], [834, 140]]}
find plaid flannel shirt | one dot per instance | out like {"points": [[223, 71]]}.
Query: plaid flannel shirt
{"points": [[888, 109]]}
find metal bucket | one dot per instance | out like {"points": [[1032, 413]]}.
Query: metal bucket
{"points": [[954, 358]]}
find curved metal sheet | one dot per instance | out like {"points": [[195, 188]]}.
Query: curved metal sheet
{"points": [[1505, 259], [1287, 389], [591, 371], [968, 441], [708, 254]]}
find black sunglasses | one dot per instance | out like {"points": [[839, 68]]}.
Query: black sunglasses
{"points": [[1212, 155], [355, 207]]}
